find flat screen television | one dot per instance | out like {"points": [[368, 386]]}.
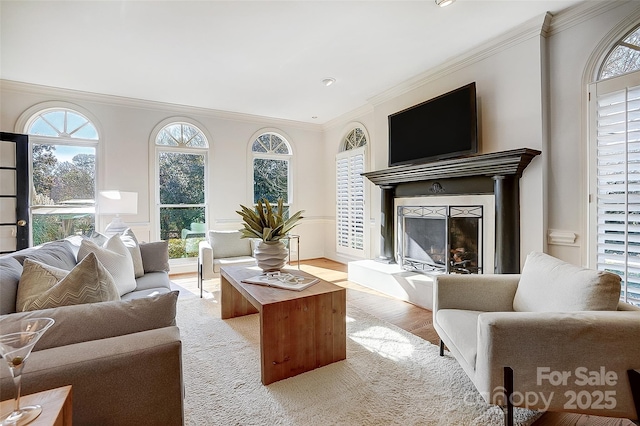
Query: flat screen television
{"points": [[442, 127]]}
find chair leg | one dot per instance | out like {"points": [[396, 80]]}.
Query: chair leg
{"points": [[508, 393], [200, 278], [441, 348], [634, 382]]}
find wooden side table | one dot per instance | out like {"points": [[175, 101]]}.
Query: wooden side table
{"points": [[56, 406]]}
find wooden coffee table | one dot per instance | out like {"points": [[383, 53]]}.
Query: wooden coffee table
{"points": [[299, 330]]}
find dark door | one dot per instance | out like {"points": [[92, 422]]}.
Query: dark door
{"points": [[14, 192]]}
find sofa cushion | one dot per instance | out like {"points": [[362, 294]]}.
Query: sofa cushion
{"points": [[42, 286], [59, 254], [131, 242], [155, 256], [153, 280], [548, 284], [81, 323], [10, 271], [116, 259], [228, 244]]}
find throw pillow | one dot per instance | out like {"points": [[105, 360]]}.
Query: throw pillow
{"points": [[116, 258], [42, 286], [82, 323], [131, 242], [155, 256], [229, 244], [548, 284]]}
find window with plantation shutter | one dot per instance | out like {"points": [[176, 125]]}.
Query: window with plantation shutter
{"points": [[350, 212], [615, 131]]}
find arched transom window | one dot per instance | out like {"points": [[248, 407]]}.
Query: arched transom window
{"points": [[354, 139], [271, 168], [182, 135], [182, 187], [624, 57]]}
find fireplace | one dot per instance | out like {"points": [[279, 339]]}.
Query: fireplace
{"points": [[440, 239], [497, 174]]}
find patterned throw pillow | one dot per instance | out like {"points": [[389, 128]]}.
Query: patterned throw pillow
{"points": [[116, 259], [42, 286]]}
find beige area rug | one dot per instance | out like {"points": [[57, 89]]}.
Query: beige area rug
{"points": [[390, 377]]}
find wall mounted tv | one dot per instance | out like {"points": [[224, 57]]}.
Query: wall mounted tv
{"points": [[442, 127]]}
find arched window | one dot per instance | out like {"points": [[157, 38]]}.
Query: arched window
{"points": [[350, 216], [614, 109], [271, 168], [181, 158], [624, 57], [63, 178]]}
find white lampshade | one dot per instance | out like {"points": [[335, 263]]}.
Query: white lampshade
{"points": [[118, 203]]}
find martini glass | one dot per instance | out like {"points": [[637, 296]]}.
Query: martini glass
{"points": [[15, 347]]}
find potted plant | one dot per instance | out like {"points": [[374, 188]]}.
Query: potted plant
{"points": [[270, 226]]}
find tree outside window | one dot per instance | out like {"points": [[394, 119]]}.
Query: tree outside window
{"points": [[182, 188], [271, 169], [63, 175]]}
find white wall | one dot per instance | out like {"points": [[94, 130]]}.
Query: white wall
{"points": [[531, 93], [125, 127], [575, 50]]}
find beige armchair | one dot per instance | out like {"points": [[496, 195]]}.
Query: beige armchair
{"points": [[555, 338], [222, 248]]}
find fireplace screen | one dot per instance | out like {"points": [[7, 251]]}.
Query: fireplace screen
{"points": [[445, 239]]}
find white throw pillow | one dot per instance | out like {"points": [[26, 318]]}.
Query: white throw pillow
{"points": [[42, 286], [548, 284], [229, 244], [131, 242], [116, 258]]}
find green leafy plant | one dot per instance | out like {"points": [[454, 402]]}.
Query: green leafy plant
{"points": [[266, 223]]}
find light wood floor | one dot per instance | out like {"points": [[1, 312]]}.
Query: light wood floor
{"points": [[409, 317]]}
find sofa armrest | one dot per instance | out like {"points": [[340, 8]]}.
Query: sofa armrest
{"points": [[491, 292], [134, 379], [595, 344], [205, 259]]}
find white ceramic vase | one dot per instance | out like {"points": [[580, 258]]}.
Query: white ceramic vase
{"points": [[270, 255]]}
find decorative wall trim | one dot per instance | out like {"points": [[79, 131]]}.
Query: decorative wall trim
{"points": [[561, 238], [177, 109]]}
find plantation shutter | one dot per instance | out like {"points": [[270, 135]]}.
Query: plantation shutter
{"points": [[350, 202], [616, 131]]}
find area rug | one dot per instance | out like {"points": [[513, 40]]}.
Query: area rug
{"points": [[390, 377]]}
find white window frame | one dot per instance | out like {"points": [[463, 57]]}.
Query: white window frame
{"points": [[272, 156], [26, 120], [356, 242], [599, 217], [155, 178]]}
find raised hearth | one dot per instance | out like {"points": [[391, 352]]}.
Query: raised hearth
{"points": [[495, 173]]}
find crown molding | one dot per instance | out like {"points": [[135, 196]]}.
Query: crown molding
{"points": [[121, 101], [582, 12], [524, 32], [544, 25]]}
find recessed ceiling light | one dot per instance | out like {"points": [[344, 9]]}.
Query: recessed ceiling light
{"points": [[328, 81], [443, 3]]}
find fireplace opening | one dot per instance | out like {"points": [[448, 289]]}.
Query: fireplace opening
{"points": [[440, 239]]}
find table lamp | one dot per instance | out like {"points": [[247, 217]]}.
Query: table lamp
{"points": [[117, 203]]}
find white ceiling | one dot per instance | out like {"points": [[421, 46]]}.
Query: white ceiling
{"points": [[265, 58]]}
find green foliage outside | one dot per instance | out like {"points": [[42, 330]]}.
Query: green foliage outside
{"points": [[271, 180], [65, 185], [181, 182]]}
